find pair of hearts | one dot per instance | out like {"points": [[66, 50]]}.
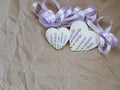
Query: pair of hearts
{"points": [[79, 37]]}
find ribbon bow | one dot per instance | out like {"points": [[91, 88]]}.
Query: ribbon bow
{"points": [[107, 39]]}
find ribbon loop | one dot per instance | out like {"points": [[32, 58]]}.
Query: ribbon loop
{"points": [[44, 19], [66, 16], [65, 12], [90, 13], [107, 39], [76, 10]]}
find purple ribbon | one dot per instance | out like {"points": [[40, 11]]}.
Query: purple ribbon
{"points": [[107, 39], [66, 16]]}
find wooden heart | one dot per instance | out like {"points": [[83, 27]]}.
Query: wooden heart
{"points": [[58, 37], [81, 38]]}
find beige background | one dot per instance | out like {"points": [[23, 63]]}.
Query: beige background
{"points": [[28, 62]]}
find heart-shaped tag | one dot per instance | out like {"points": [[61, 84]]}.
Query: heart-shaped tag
{"points": [[81, 38], [58, 37]]}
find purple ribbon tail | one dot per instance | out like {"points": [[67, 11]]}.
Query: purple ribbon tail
{"points": [[107, 39]]}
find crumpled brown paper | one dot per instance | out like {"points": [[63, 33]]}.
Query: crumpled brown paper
{"points": [[28, 62]]}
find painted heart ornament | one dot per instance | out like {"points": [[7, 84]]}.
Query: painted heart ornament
{"points": [[81, 38], [58, 37]]}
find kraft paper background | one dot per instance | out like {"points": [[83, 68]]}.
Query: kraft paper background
{"points": [[28, 62]]}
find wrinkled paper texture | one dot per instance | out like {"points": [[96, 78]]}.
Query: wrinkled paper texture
{"points": [[28, 62]]}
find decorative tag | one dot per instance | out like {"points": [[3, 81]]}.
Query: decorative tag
{"points": [[81, 38], [58, 37]]}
